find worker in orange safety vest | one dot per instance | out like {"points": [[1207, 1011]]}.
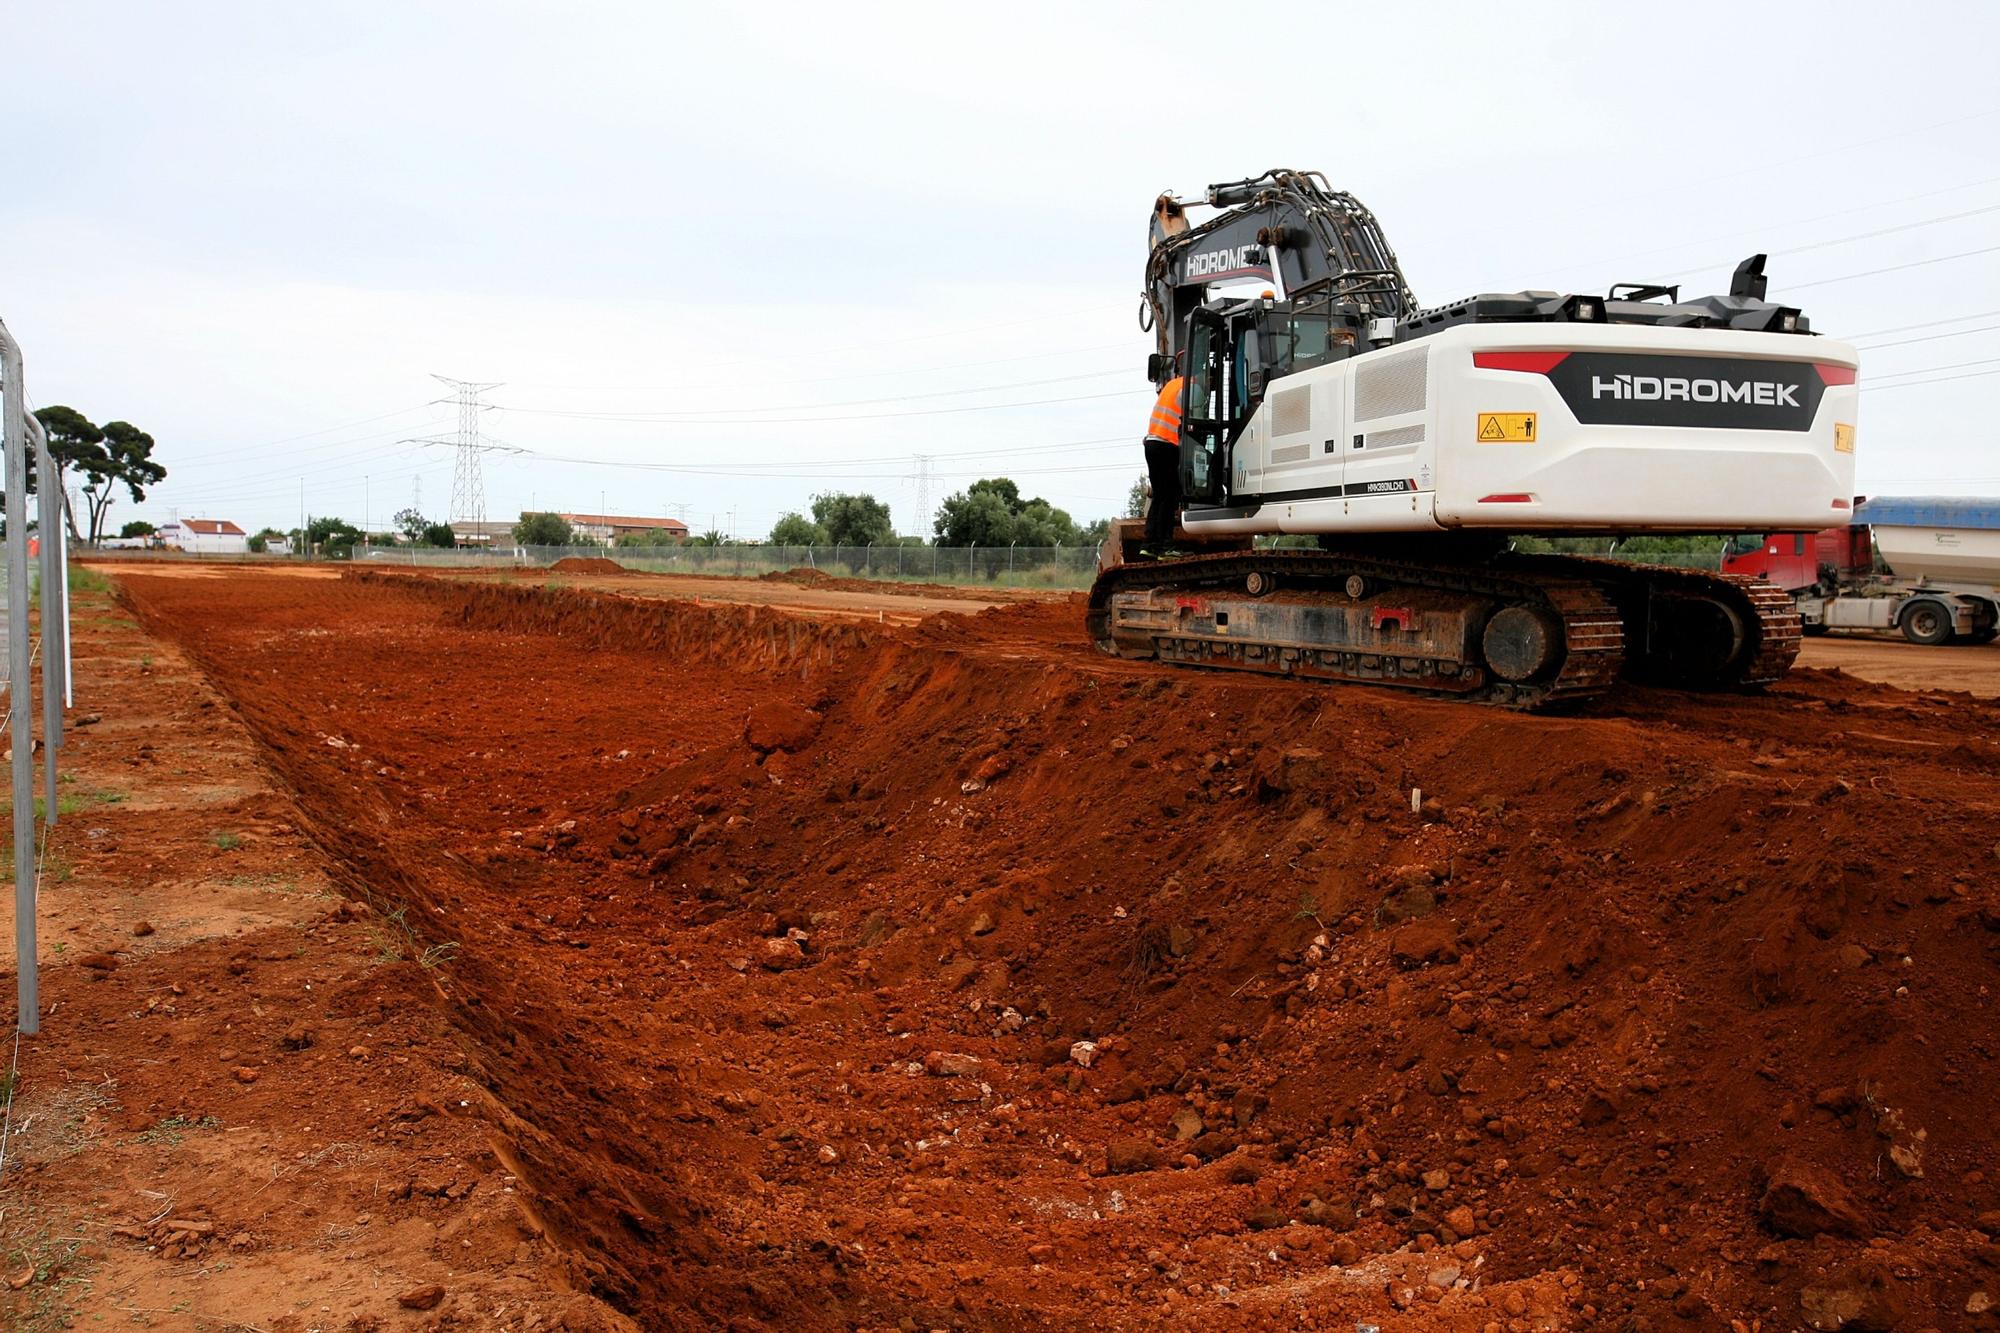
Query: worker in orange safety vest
{"points": [[1163, 463]]}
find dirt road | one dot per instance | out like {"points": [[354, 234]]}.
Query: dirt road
{"points": [[1974, 668], [852, 975]]}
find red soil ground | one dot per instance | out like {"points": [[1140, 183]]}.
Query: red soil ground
{"points": [[775, 941]]}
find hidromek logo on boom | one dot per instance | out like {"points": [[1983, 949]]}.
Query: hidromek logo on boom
{"points": [[1674, 388], [1211, 262]]}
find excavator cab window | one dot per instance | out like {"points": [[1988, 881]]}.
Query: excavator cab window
{"points": [[1246, 373], [1299, 342], [1205, 408]]}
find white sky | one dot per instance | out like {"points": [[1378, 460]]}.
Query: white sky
{"points": [[245, 227]]}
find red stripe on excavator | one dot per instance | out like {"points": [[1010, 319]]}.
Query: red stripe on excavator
{"points": [[1510, 498], [1840, 504], [1528, 363], [1834, 374]]}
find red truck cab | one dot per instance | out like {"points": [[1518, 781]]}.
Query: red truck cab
{"points": [[1796, 561]]}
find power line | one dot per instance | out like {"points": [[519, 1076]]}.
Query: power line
{"points": [[468, 483], [922, 481], [1893, 268], [1845, 240], [267, 444], [859, 416], [820, 353], [1795, 159], [1927, 324], [1946, 379], [1125, 343], [1927, 338], [670, 415], [1926, 370], [1768, 227]]}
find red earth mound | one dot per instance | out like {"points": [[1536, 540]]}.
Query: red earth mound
{"points": [[803, 576], [1035, 987], [587, 564]]}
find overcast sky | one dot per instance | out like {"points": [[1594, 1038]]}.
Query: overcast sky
{"points": [[257, 230]]}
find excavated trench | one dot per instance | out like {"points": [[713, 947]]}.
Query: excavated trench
{"points": [[959, 975]]}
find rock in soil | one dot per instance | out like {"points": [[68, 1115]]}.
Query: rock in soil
{"points": [[1865, 1298], [1803, 1200], [1125, 1156]]}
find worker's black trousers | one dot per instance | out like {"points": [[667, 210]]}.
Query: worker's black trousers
{"points": [[1163, 469]]}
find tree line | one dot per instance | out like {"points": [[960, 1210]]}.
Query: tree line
{"points": [[990, 512]]}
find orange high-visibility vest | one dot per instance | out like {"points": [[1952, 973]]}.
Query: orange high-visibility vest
{"points": [[1166, 422]]}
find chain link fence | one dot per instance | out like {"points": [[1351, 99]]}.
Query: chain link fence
{"points": [[1002, 566], [992, 566]]}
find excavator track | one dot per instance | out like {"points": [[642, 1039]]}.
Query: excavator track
{"points": [[1571, 625], [1768, 632], [1410, 626]]}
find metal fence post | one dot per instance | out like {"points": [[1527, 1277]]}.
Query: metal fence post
{"points": [[27, 985], [53, 628]]}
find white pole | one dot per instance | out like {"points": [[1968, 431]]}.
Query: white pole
{"points": [[62, 563], [52, 621], [27, 977]]}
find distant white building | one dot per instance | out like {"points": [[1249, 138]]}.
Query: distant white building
{"points": [[205, 536]]}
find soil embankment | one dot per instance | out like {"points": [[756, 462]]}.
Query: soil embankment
{"points": [[845, 975]]}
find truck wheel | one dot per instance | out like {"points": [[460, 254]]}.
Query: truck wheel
{"points": [[1927, 621]]}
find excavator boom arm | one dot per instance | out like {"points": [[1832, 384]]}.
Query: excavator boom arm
{"points": [[1283, 226]]}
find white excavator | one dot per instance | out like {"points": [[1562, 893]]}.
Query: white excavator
{"points": [[1413, 446]]}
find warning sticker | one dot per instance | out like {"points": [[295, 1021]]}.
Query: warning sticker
{"points": [[1843, 438], [1506, 427]]}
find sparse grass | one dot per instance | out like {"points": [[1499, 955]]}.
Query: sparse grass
{"points": [[59, 1272], [146, 662], [56, 868], [85, 579], [9, 1081], [1309, 910], [395, 939], [227, 842], [67, 803], [389, 943], [437, 955], [174, 1128]]}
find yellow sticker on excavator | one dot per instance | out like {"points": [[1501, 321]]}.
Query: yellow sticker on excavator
{"points": [[1843, 438], [1506, 427]]}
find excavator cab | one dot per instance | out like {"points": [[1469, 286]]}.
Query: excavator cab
{"points": [[1225, 382]]}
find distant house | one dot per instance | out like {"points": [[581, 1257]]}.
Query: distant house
{"points": [[610, 527], [204, 536]]}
